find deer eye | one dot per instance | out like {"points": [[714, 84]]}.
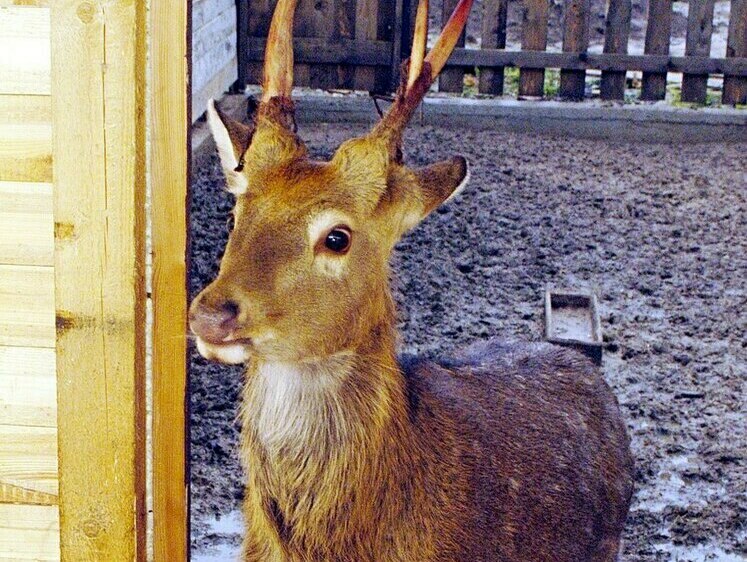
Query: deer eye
{"points": [[338, 240]]}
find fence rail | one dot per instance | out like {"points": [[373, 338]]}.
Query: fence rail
{"points": [[360, 45]]}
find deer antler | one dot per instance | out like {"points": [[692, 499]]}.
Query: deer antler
{"points": [[278, 78], [421, 70]]}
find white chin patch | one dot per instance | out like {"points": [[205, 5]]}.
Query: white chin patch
{"points": [[229, 353]]}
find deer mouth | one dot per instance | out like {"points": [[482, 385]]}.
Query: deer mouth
{"points": [[230, 352]]}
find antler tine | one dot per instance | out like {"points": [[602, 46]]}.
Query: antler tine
{"points": [[422, 71], [419, 38], [278, 78], [446, 42]]}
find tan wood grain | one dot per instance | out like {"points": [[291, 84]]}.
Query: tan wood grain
{"points": [[28, 387], [28, 458], [29, 532], [26, 306], [24, 50], [98, 66], [26, 223], [169, 179], [15, 109], [26, 152]]}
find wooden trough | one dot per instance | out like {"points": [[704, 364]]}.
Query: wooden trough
{"points": [[73, 218]]}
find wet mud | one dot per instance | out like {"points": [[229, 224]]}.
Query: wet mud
{"points": [[658, 231]]}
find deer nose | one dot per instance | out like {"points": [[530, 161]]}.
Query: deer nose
{"points": [[214, 324]]}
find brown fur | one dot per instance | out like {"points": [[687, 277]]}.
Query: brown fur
{"points": [[508, 453]]}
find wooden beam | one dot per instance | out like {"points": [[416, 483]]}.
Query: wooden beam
{"points": [[169, 175], [451, 79], [26, 223], [533, 38], [494, 14], [310, 50], [26, 306], [658, 37], [28, 459], [24, 43], [575, 40], [28, 394], [29, 532], [698, 43], [616, 32], [648, 63], [98, 69], [735, 87]]}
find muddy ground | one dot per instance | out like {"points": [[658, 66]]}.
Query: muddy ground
{"points": [[659, 231]]}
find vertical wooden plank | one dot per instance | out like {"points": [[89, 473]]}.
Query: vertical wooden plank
{"points": [[366, 26], [735, 87], [658, 36], [616, 32], [575, 40], [451, 79], [493, 37], [698, 42], [169, 175], [386, 14], [98, 72], [533, 38], [242, 44], [260, 13]]}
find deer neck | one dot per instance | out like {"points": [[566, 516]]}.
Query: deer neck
{"points": [[328, 437]]}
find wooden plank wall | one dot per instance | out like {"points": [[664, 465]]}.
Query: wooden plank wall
{"points": [[29, 514], [214, 60]]}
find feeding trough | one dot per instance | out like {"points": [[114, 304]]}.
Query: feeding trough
{"points": [[572, 320]]}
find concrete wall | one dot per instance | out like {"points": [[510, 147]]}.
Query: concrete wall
{"points": [[213, 51]]}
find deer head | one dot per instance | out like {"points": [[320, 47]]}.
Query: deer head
{"points": [[305, 271]]}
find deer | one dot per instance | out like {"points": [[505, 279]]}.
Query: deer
{"points": [[503, 451]]}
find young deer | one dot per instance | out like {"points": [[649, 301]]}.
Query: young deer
{"points": [[506, 453]]}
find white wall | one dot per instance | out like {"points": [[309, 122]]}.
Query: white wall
{"points": [[213, 51]]}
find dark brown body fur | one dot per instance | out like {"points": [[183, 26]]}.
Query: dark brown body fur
{"points": [[509, 453]]}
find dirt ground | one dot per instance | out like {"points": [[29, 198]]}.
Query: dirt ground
{"points": [[659, 231]]}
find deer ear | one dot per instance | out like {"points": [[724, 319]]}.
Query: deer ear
{"points": [[413, 194], [232, 139], [441, 181]]}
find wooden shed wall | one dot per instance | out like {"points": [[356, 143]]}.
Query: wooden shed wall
{"points": [[213, 51], [29, 515]]}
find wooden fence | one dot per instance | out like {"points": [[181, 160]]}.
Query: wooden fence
{"points": [[359, 45]]}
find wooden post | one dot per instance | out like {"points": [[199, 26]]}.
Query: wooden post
{"points": [[169, 174], [575, 40], [658, 35], [735, 87], [451, 79], [699, 29], [493, 37], [242, 45], [533, 38], [616, 32], [98, 73]]}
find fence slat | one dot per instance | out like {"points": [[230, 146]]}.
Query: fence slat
{"points": [[699, 29], [451, 79], [735, 87], [658, 35], [616, 32], [575, 40], [387, 13], [493, 37], [533, 38]]}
